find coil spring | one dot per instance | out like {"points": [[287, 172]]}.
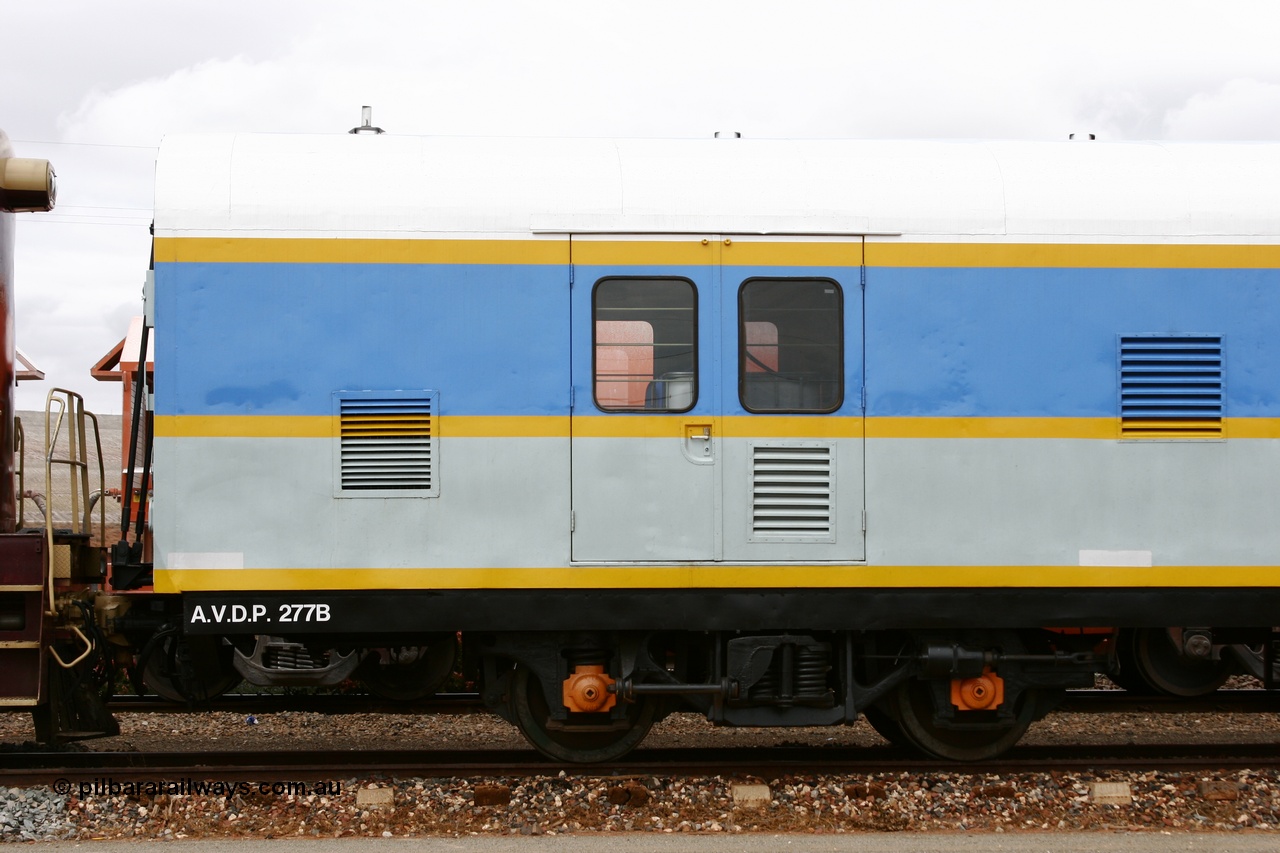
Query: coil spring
{"points": [[812, 665], [291, 657], [809, 675]]}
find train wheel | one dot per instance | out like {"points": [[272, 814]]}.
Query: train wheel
{"points": [[974, 738], [887, 726], [406, 673], [1155, 661], [577, 742], [1127, 674], [1252, 661], [168, 669]]}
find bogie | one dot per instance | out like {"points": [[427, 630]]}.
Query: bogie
{"points": [[930, 695]]}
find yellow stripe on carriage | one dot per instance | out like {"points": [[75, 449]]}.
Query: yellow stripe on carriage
{"points": [[327, 426], [716, 576], [1072, 255], [697, 251], [666, 426], [1093, 428], [659, 251], [291, 250], [246, 426]]}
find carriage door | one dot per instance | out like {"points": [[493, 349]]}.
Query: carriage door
{"points": [[645, 425], [792, 422]]}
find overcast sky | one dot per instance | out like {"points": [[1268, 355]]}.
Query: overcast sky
{"points": [[94, 85]]}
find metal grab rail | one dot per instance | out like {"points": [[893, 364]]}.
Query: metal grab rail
{"points": [[88, 648], [19, 453], [70, 409]]}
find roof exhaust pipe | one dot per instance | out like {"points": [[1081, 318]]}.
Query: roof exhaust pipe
{"points": [[366, 122]]}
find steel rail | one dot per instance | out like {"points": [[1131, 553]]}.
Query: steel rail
{"points": [[1076, 701], [265, 703], [768, 762]]}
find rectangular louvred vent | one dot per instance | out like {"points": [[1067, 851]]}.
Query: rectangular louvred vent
{"points": [[387, 444], [792, 492], [1171, 387]]}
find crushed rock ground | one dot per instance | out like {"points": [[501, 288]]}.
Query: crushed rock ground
{"points": [[585, 803], [1170, 802]]}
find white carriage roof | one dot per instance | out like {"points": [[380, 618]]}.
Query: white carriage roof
{"points": [[398, 186]]}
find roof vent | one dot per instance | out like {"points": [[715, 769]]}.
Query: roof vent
{"points": [[1082, 137], [728, 134], [366, 122]]}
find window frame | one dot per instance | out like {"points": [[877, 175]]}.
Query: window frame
{"points": [[595, 345], [741, 321]]}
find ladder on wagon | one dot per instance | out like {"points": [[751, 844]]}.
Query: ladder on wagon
{"points": [[22, 602], [50, 648]]}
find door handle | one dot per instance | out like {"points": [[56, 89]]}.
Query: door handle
{"points": [[697, 442]]}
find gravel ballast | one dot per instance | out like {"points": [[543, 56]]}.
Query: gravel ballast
{"points": [[1243, 800], [587, 803]]}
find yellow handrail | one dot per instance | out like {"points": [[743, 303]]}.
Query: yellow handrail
{"points": [[88, 647], [19, 453], [70, 405]]}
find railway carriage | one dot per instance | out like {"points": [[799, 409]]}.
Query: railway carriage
{"points": [[49, 561], [789, 432], [23, 599]]}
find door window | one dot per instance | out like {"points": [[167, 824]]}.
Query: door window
{"points": [[790, 345], [645, 344]]}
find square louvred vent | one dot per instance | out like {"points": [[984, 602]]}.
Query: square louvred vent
{"points": [[1171, 387], [387, 445], [792, 492]]}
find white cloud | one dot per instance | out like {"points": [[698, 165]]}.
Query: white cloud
{"points": [[1242, 109]]}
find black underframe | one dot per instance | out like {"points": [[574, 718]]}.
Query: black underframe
{"points": [[367, 612]]}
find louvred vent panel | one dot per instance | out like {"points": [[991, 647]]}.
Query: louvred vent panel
{"points": [[792, 493], [387, 443], [1171, 387]]}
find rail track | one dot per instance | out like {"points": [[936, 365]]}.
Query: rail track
{"points": [[30, 765], [1077, 701], [263, 703], [258, 765]]}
